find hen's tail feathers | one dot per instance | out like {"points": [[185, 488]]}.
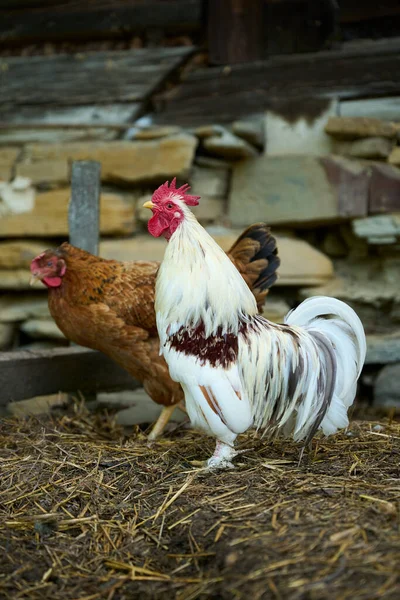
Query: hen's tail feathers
{"points": [[255, 255], [337, 322]]}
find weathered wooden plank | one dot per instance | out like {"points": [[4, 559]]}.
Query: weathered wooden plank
{"points": [[114, 116], [84, 205], [21, 22], [98, 77], [25, 374], [353, 10], [222, 94], [235, 31]]}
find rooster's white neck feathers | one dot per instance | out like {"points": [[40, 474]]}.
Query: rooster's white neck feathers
{"points": [[197, 282]]}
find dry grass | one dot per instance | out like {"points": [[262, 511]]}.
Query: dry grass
{"points": [[88, 513]]}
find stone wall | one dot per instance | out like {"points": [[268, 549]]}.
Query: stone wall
{"points": [[328, 186]]}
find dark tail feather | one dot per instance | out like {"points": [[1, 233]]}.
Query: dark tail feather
{"points": [[255, 255]]}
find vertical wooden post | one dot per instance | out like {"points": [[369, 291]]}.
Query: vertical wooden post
{"points": [[84, 206], [236, 32]]}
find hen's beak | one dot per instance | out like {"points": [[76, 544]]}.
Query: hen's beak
{"points": [[34, 279], [148, 204]]}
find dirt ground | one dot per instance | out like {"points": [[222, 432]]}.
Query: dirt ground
{"points": [[88, 512]]}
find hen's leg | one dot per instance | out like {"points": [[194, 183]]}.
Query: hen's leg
{"points": [[162, 421]]}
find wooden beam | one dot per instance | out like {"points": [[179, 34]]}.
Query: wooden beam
{"points": [[235, 31], [353, 10], [222, 94], [22, 22], [25, 374], [84, 205], [98, 77]]}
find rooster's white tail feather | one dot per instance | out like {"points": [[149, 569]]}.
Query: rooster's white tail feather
{"points": [[340, 324]]}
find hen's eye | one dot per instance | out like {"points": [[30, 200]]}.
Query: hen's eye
{"points": [[49, 264], [169, 205]]}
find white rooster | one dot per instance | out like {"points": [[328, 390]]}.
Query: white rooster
{"points": [[237, 369]]}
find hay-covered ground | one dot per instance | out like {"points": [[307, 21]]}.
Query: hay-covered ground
{"points": [[88, 512]]}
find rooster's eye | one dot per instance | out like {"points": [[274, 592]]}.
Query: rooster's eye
{"points": [[169, 205], [49, 264]]}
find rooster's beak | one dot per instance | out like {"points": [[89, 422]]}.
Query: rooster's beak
{"points": [[148, 204]]}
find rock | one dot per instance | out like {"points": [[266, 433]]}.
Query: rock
{"points": [[14, 279], [45, 345], [154, 133], [297, 189], [139, 407], [371, 147], [206, 131], [379, 229], [394, 158], [229, 146], [211, 209], [387, 109], [384, 189], [275, 309], [37, 405], [387, 389], [214, 163], [21, 308], [7, 335], [302, 134], [42, 328], [51, 171], [121, 161], [49, 216], [352, 128], [19, 253], [370, 286], [350, 180], [383, 349], [357, 247], [209, 182], [140, 247], [17, 197], [251, 130], [8, 156], [301, 264], [334, 245]]}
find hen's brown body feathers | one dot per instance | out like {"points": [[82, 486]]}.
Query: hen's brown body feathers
{"points": [[108, 306]]}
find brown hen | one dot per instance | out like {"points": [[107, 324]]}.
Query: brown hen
{"points": [[108, 306]]}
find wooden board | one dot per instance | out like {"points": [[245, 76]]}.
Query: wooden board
{"points": [[84, 205], [98, 77], [115, 116], [25, 374], [353, 10], [235, 31], [222, 94], [22, 22]]}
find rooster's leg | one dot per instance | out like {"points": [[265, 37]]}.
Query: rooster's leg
{"points": [[221, 459], [162, 421]]}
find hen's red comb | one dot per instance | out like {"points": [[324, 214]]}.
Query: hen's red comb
{"points": [[165, 190]]}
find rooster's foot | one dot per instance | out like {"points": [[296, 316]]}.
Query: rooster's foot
{"points": [[221, 459]]}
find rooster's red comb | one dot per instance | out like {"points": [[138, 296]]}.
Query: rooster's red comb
{"points": [[165, 191]]}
